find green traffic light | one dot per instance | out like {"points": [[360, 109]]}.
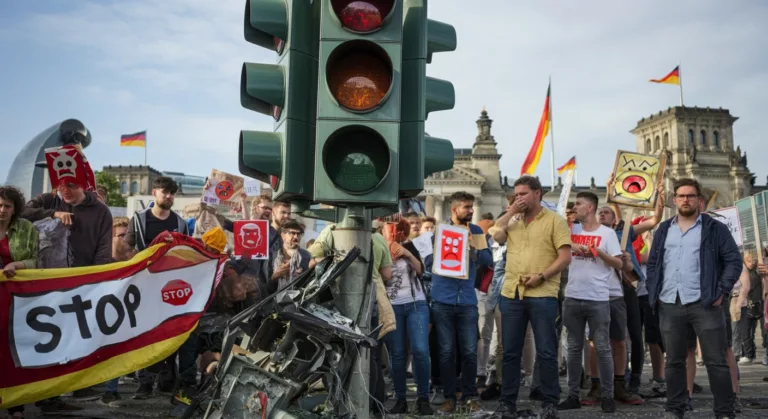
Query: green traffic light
{"points": [[356, 159]]}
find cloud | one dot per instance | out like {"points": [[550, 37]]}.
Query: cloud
{"points": [[173, 67]]}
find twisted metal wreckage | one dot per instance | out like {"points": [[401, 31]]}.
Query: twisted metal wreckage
{"points": [[275, 350]]}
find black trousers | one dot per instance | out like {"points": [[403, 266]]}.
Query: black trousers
{"points": [[709, 325], [635, 329], [747, 332]]}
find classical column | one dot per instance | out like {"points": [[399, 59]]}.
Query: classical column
{"points": [[476, 211], [429, 204], [438, 199]]}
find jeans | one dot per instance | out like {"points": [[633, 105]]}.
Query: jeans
{"points": [[541, 313], [412, 321], [112, 385], [456, 326], [747, 328], [485, 325], [709, 325], [577, 314]]}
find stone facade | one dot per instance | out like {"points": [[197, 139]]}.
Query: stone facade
{"points": [[134, 180], [699, 144]]}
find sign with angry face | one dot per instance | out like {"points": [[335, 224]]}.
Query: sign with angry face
{"points": [[636, 177], [68, 165], [451, 252], [251, 239], [224, 189]]}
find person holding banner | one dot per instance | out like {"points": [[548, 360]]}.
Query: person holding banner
{"points": [[18, 245]]}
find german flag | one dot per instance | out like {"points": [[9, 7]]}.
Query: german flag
{"points": [[134, 140], [672, 78], [569, 165], [532, 159]]}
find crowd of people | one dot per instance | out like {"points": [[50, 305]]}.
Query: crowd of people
{"points": [[545, 296]]}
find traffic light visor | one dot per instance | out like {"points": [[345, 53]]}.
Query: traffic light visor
{"points": [[356, 159], [362, 16], [359, 75]]}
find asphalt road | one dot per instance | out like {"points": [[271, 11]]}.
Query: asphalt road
{"points": [[753, 390]]}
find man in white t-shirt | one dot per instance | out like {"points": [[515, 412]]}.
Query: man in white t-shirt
{"points": [[595, 259]]}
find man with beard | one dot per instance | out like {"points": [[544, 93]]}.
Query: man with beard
{"points": [[290, 260], [538, 249], [454, 311], [144, 227], [692, 268], [147, 224]]}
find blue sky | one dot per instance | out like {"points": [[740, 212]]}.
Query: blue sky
{"points": [[172, 67]]}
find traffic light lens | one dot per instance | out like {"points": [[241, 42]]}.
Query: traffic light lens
{"points": [[356, 159], [359, 75], [362, 16]]}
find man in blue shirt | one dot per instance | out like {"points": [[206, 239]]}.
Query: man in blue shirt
{"points": [[454, 311], [691, 270]]}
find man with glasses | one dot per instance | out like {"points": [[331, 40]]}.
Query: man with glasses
{"points": [[691, 270], [144, 227], [290, 260]]}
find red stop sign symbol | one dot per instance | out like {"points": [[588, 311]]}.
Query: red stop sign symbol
{"points": [[176, 292]]}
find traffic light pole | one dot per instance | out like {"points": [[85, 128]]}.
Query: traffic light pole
{"points": [[353, 294]]}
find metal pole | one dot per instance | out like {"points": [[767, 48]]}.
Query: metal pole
{"points": [[680, 80], [145, 148], [551, 135], [353, 297]]}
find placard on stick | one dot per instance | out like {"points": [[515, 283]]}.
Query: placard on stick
{"points": [[451, 253], [251, 239], [636, 177]]}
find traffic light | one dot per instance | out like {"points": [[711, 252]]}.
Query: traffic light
{"points": [[286, 91], [420, 154], [358, 102]]}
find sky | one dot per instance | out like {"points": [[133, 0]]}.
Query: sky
{"points": [[172, 67]]}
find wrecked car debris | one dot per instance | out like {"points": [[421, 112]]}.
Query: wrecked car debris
{"points": [[275, 350]]}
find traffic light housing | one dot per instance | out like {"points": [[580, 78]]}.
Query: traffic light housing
{"points": [[422, 155], [358, 103], [286, 91]]}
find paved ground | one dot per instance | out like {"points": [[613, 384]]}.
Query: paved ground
{"points": [[753, 389]]}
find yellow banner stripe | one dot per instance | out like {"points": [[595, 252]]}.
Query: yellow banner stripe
{"points": [[97, 374]]}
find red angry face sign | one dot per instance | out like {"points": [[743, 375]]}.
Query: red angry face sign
{"points": [[224, 190], [251, 239], [452, 251]]}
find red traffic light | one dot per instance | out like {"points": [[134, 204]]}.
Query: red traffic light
{"points": [[359, 75], [362, 16]]}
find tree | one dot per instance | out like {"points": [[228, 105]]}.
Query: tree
{"points": [[109, 181]]}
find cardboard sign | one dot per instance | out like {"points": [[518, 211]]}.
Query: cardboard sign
{"points": [[562, 203], [451, 251], [636, 177], [423, 244], [251, 239], [76, 327], [67, 164], [224, 189], [730, 217], [252, 187]]}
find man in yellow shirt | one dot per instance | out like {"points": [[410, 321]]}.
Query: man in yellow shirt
{"points": [[538, 249]]}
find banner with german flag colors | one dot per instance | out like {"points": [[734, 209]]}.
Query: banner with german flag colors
{"points": [[66, 329], [532, 159], [672, 78], [569, 165], [134, 140]]}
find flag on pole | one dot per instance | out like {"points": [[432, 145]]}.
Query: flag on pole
{"points": [[569, 165], [532, 159], [134, 140], [672, 78]]}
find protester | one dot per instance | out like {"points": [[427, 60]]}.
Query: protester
{"points": [[454, 311], [287, 262], [427, 225], [688, 290], [415, 221], [18, 245], [538, 249]]}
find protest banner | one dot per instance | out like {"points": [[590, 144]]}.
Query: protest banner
{"points": [[67, 329]]}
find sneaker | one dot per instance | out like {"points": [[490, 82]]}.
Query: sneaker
{"points": [[659, 388], [110, 396], [447, 408], [491, 393], [634, 384], [535, 394], [56, 405], [571, 403], [737, 406], [548, 412], [438, 398], [621, 394], [745, 361], [86, 395], [423, 408], [593, 397], [400, 407], [608, 405], [144, 392]]}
